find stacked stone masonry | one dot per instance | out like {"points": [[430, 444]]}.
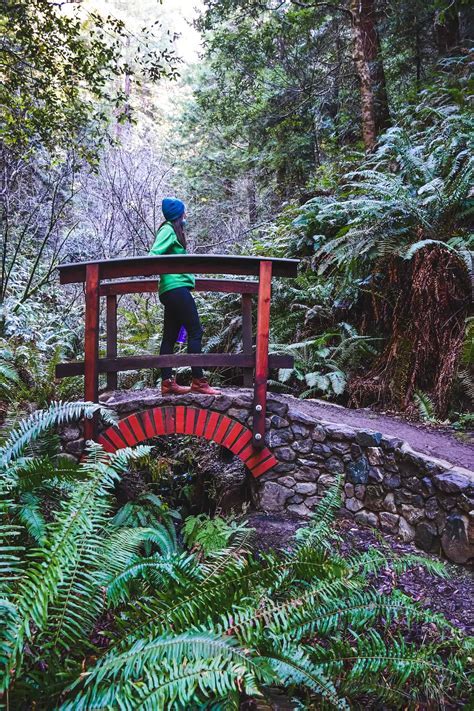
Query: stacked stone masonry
{"points": [[385, 483]]}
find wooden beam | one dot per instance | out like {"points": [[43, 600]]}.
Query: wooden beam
{"points": [[229, 286], [177, 264], [111, 320], [247, 336], [177, 360], [91, 345], [261, 358]]}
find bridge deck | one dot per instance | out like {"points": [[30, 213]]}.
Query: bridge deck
{"points": [[114, 277]]}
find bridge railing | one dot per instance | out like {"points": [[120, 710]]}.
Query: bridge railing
{"points": [[114, 277]]}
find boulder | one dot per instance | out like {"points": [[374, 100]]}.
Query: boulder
{"points": [[405, 531], [278, 422], [389, 522], [335, 464], [303, 446], [300, 431], [366, 518], [389, 504], [375, 456], [279, 437], [353, 505], [458, 538], [273, 496], [284, 454], [318, 434], [412, 514], [358, 471], [426, 537], [326, 482], [453, 481], [300, 510], [306, 488], [287, 481], [368, 439]]}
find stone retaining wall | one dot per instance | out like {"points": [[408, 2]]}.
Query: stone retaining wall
{"points": [[386, 484]]}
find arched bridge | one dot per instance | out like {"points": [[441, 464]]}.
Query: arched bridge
{"points": [[115, 277], [293, 453]]}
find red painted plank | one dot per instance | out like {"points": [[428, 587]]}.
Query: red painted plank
{"points": [[170, 424], [211, 425], [259, 457], [148, 424], [91, 345], [261, 356], [201, 423], [180, 417], [241, 441], [222, 429], [264, 466], [137, 429], [190, 419], [233, 434], [247, 452], [159, 420], [127, 433], [107, 444], [114, 434]]}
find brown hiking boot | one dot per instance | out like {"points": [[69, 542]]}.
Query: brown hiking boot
{"points": [[171, 387], [202, 387]]}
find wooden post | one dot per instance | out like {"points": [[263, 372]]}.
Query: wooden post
{"points": [[247, 336], [91, 346], [111, 319], [261, 360]]}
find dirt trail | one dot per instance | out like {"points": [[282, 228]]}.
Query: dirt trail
{"points": [[435, 441]]}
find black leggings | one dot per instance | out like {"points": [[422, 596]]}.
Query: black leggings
{"points": [[180, 310]]}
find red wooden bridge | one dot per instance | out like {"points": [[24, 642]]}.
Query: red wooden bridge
{"points": [[114, 277]]}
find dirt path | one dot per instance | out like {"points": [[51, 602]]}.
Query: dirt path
{"points": [[435, 441]]}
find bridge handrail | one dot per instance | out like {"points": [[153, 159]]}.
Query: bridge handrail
{"points": [[176, 264], [98, 277]]}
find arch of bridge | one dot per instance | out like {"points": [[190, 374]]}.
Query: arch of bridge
{"points": [[187, 420]]}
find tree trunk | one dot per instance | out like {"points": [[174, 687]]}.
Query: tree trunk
{"points": [[368, 62], [447, 30]]}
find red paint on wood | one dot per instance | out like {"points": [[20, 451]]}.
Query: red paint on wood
{"points": [[114, 434], [211, 425], [180, 415], [190, 418], [127, 432], [91, 345], [241, 441], [222, 429], [134, 422], [264, 466], [233, 434], [247, 453], [261, 359], [148, 424], [258, 458], [201, 423], [159, 420], [106, 444]]}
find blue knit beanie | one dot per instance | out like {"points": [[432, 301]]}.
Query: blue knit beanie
{"points": [[172, 208]]}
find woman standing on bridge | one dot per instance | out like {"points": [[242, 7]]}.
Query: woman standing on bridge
{"points": [[175, 295]]}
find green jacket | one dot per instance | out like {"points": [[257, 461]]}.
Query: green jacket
{"points": [[167, 242]]}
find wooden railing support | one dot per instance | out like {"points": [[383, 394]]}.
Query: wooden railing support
{"points": [[261, 359], [247, 345], [91, 346], [111, 321]]}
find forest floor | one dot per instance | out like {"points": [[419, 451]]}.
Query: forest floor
{"points": [[435, 440], [452, 596]]}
